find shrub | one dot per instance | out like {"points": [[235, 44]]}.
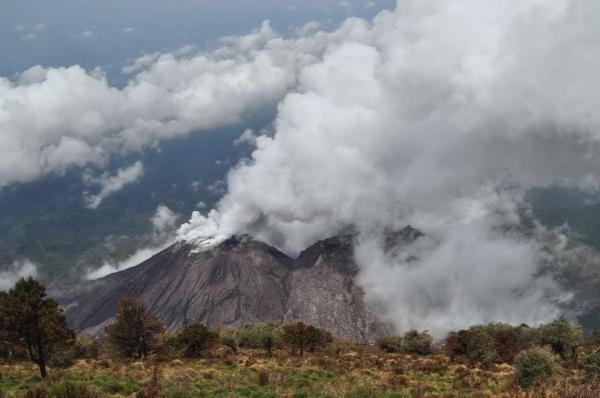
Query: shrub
{"points": [[228, 338], [457, 343], [482, 347], [418, 343], [390, 343], [260, 335], [591, 366], [134, 331], [561, 336], [193, 339], [534, 365]]}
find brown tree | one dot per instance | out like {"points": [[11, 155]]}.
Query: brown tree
{"points": [[134, 331], [32, 320], [301, 337]]}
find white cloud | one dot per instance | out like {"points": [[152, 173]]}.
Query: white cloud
{"points": [[138, 257], [432, 115], [110, 184], [20, 269], [164, 220], [247, 137], [128, 29], [69, 117], [86, 34]]}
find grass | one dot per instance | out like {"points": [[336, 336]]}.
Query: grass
{"points": [[360, 371]]}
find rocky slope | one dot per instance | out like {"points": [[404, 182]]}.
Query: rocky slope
{"points": [[241, 280]]}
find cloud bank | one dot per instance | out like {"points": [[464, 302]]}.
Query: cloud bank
{"points": [[52, 119], [440, 115]]}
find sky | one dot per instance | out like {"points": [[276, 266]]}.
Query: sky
{"points": [[111, 33]]}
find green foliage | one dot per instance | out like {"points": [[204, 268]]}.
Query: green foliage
{"points": [[228, 338], [261, 335], [31, 320], [390, 343], [591, 366], [193, 339], [134, 331], [561, 336], [536, 364], [487, 344], [482, 347], [417, 343]]}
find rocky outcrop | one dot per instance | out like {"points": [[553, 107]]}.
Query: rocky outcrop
{"points": [[240, 280]]}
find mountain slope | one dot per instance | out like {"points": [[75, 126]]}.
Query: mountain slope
{"points": [[241, 280]]}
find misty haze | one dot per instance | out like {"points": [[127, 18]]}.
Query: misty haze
{"points": [[313, 198]]}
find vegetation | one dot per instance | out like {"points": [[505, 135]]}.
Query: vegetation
{"points": [[30, 320], [193, 339], [300, 337], [290, 360], [535, 365], [134, 331]]}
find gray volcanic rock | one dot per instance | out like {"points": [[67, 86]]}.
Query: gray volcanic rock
{"points": [[238, 281], [323, 292]]}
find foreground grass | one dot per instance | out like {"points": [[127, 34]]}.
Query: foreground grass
{"points": [[359, 371]]}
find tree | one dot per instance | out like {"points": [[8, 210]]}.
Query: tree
{"points": [[301, 337], [134, 331], [32, 320], [194, 339], [563, 337], [261, 335], [482, 347]]}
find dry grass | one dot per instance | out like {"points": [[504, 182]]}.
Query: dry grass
{"points": [[359, 371]]}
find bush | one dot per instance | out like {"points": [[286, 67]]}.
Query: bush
{"points": [[487, 344], [390, 343], [193, 339], [457, 344], [591, 366], [260, 335], [418, 343], [482, 347], [561, 336], [228, 338], [535, 365]]}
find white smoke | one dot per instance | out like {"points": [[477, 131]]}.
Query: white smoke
{"points": [[434, 114], [18, 270], [111, 184], [164, 222]]}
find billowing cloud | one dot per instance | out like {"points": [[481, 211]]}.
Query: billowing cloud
{"points": [[110, 184], [55, 118], [440, 115], [164, 219], [20, 269]]}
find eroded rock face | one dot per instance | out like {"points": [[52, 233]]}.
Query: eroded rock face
{"points": [[322, 292], [240, 280]]}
